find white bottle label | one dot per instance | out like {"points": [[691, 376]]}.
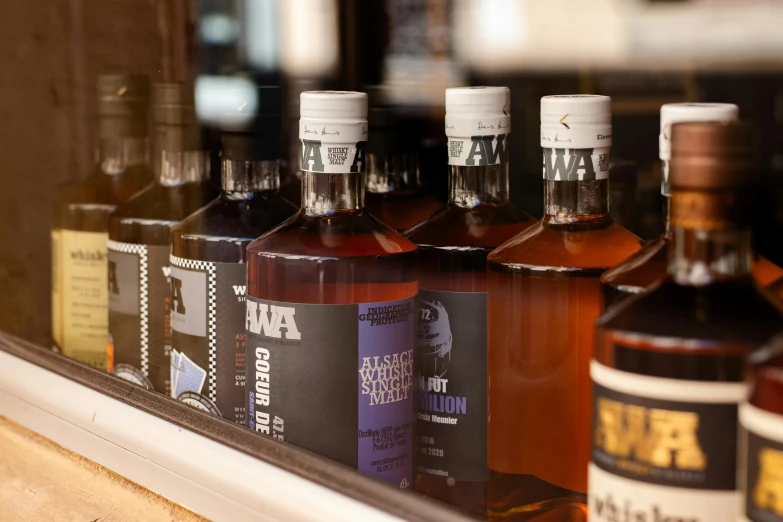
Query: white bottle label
{"points": [[663, 449], [760, 465]]}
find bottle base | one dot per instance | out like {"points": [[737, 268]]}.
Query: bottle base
{"points": [[467, 496], [518, 498]]}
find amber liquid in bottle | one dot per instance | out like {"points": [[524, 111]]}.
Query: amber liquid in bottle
{"points": [[331, 256], [393, 190], [453, 247], [543, 300], [330, 253]]}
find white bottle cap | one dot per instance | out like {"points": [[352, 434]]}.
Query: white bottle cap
{"points": [[576, 121], [672, 113], [333, 129], [478, 121], [478, 111], [576, 137]]}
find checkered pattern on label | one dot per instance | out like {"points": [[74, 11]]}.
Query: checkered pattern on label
{"points": [[144, 314], [210, 269]]}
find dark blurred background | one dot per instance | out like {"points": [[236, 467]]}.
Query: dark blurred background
{"points": [[643, 53]]}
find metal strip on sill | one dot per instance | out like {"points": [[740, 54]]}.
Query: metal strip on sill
{"points": [[407, 505]]}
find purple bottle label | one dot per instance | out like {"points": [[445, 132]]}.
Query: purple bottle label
{"points": [[335, 379], [386, 390]]}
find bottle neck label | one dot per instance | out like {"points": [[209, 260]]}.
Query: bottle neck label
{"points": [[333, 158], [711, 210], [479, 150], [560, 164]]}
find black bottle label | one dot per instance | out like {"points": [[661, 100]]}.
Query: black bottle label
{"points": [[662, 449], [761, 464], [451, 385], [335, 379], [208, 336], [139, 326]]}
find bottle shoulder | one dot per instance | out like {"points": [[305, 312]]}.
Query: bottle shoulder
{"points": [[100, 188], [157, 202], [400, 211], [596, 246], [719, 312], [341, 234], [765, 271], [483, 226], [642, 268], [236, 218]]}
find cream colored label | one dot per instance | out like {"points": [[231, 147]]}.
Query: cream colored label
{"points": [[83, 296], [57, 278]]}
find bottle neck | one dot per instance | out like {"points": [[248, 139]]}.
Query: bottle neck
{"points": [[473, 186], [326, 194], [710, 241], [567, 202], [666, 198], [178, 167], [116, 154], [241, 179], [393, 172]]}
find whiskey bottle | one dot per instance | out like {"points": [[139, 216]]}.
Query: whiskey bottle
{"points": [[543, 297], [208, 270], [648, 266], [139, 270], [330, 319], [669, 367], [394, 194], [81, 219], [451, 459], [760, 449]]}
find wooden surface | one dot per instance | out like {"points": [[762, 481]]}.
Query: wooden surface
{"points": [[42, 481]]}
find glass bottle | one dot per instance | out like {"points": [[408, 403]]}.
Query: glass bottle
{"points": [[670, 364], [139, 270], [543, 297], [760, 448], [394, 194], [330, 322], [208, 270], [648, 266], [451, 459], [81, 218]]}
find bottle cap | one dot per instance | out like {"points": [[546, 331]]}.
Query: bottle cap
{"points": [[478, 121], [713, 155], [576, 121], [478, 111], [333, 116], [672, 113], [123, 105], [333, 130], [123, 88], [576, 137], [173, 104]]}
